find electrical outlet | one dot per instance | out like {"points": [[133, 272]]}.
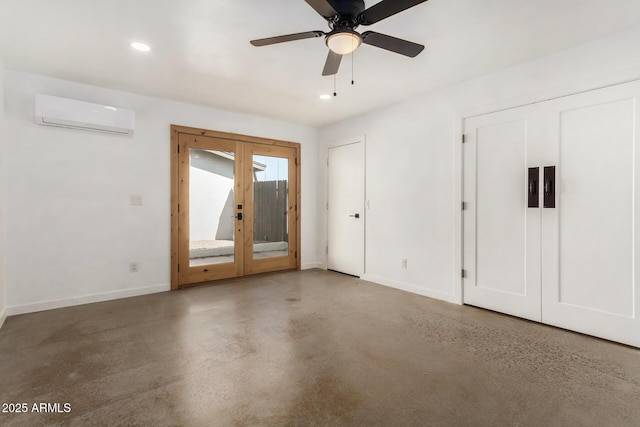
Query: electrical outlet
{"points": [[403, 264], [133, 267]]}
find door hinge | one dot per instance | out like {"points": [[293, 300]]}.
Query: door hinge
{"points": [[296, 161], [296, 207], [295, 254], [178, 207], [464, 138], [178, 148], [464, 273], [465, 206]]}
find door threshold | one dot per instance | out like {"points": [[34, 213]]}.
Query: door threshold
{"points": [[236, 278]]}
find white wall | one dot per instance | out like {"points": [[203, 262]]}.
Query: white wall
{"points": [[3, 203], [71, 230], [413, 159]]}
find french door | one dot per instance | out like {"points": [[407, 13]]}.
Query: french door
{"points": [[234, 206], [552, 219]]}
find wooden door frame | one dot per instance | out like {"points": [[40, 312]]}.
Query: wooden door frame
{"points": [[269, 264], [176, 131]]}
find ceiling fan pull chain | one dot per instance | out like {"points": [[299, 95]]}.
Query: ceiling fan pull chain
{"points": [[352, 62], [335, 92]]}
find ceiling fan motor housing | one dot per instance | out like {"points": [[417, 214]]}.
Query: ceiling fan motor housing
{"points": [[348, 11]]}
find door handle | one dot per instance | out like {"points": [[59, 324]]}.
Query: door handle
{"points": [[355, 215], [549, 187], [534, 175]]}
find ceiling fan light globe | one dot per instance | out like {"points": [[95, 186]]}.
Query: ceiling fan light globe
{"points": [[344, 43]]}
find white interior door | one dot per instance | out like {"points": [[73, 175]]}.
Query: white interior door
{"points": [[345, 209], [501, 235], [590, 241], [572, 262]]}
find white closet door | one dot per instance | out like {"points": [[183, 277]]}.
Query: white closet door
{"points": [[501, 255], [345, 217], [590, 254]]}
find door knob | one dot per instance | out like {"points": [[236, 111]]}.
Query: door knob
{"points": [[355, 215]]}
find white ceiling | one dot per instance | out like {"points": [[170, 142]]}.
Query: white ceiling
{"points": [[201, 52]]}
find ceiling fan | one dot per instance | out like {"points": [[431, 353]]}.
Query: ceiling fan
{"points": [[344, 16]]}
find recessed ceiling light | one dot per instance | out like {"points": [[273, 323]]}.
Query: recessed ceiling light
{"points": [[325, 96], [142, 47]]}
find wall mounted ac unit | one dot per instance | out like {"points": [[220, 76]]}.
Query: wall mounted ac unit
{"points": [[69, 113]]}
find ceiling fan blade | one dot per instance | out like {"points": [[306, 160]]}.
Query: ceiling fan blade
{"points": [[383, 41], [385, 9], [323, 7], [333, 64], [287, 38]]}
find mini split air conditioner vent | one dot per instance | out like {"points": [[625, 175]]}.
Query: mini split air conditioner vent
{"points": [[70, 113]]}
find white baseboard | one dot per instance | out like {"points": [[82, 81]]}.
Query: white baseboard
{"points": [[87, 299], [311, 265], [411, 288], [3, 315]]}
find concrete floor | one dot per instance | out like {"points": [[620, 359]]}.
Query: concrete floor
{"points": [[309, 348]]}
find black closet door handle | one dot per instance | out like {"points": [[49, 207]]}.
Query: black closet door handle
{"points": [[534, 175], [549, 199]]}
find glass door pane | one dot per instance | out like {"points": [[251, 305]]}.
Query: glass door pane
{"points": [[271, 220], [211, 207], [210, 201], [270, 207]]}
